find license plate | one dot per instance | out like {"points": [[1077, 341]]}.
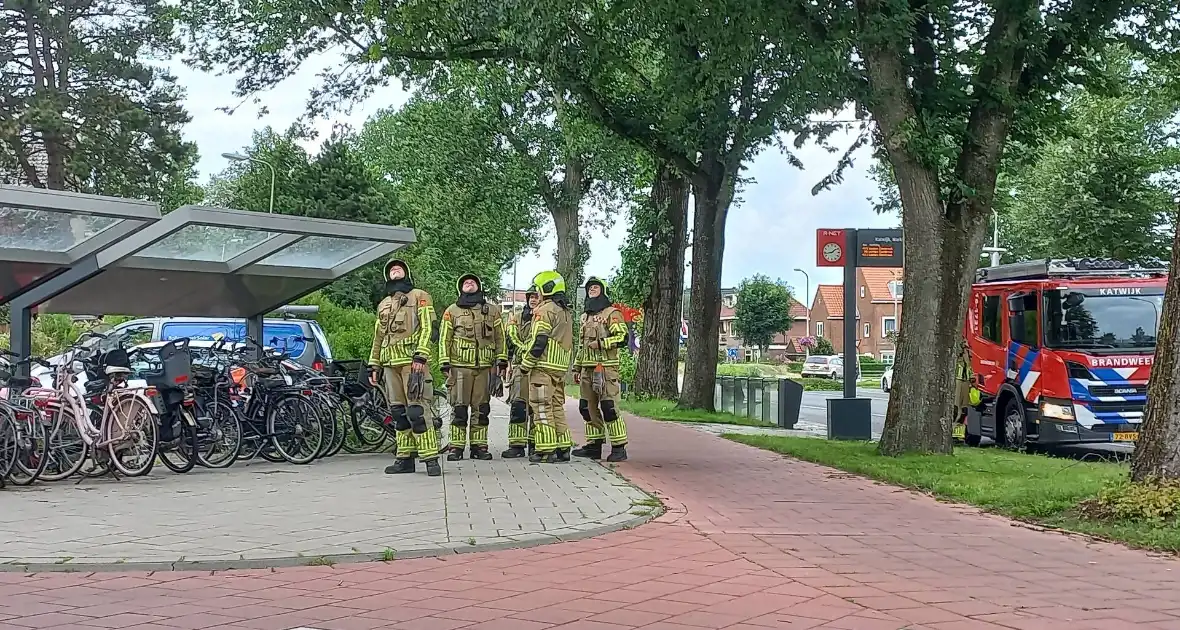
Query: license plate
{"points": [[1126, 437], [959, 432]]}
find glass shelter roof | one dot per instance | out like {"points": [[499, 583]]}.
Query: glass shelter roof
{"points": [[43, 232], [199, 261]]}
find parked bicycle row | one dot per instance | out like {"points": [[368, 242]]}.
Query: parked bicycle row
{"points": [[103, 408]]}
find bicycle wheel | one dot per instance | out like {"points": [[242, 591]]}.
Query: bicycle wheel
{"points": [[8, 444], [131, 429], [179, 457], [296, 429], [67, 450], [327, 421], [32, 446], [366, 417], [223, 439]]}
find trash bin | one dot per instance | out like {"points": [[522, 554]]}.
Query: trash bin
{"points": [[790, 399]]}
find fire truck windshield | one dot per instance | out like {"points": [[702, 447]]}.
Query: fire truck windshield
{"points": [[1102, 318]]}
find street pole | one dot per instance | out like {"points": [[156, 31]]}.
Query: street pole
{"points": [[238, 157], [806, 307]]}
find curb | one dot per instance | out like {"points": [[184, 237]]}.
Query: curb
{"points": [[327, 560]]}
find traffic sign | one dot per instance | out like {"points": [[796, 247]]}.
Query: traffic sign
{"points": [[830, 246], [731, 353]]}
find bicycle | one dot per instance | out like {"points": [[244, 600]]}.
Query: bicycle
{"points": [[111, 419], [278, 413], [29, 431]]}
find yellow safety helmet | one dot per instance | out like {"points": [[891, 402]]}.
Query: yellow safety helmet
{"points": [[549, 283]]}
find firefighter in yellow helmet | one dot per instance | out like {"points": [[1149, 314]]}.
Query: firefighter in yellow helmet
{"points": [[546, 361], [604, 332], [519, 332], [471, 352], [400, 358]]}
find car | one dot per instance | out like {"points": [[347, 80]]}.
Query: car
{"points": [[826, 366], [887, 380]]}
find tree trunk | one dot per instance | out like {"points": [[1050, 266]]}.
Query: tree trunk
{"points": [[570, 252], [938, 277], [1157, 454], [656, 371], [712, 192]]}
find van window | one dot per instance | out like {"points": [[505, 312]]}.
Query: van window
{"points": [[321, 340], [817, 360], [137, 333], [198, 331], [285, 337]]}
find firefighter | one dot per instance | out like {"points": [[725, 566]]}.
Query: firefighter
{"points": [[546, 361], [472, 354], [400, 360], [604, 332], [520, 437]]}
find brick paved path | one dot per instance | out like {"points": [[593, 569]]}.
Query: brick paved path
{"points": [[751, 541]]}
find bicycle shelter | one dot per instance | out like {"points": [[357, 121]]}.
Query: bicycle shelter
{"points": [[90, 255]]}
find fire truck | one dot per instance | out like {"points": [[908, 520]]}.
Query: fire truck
{"points": [[1061, 351]]}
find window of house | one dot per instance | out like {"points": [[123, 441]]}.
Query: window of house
{"points": [[866, 330], [819, 329], [862, 291], [896, 289], [887, 358], [888, 325], [991, 318]]}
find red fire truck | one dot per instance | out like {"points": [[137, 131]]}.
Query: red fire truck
{"points": [[1061, 351]]}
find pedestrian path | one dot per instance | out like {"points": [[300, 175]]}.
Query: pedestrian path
{"points": [[750, 541], [339, 509]]}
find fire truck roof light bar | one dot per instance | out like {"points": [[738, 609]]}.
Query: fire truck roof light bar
{"points": [[1056, 268]]}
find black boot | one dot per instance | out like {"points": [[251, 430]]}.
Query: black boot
{"points": [[532, 448], [561, 455], [480, 452], [456, 454], [538, 457], [432, 468], [513, 452], [591, 450], [400, 465], [617, 453]]}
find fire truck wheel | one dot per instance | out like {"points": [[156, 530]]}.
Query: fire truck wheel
{"points": [[1013, 431], [972, 440]]}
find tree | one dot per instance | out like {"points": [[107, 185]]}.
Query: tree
{"points": [[468, 196], [763, 310], [823, 347], [947, 85], [80, 109], [652, 275], [1157, 453], [703, 89], [1101, 188]]}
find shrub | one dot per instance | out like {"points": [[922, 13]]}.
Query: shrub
{"points": [[739, 369], [795, 367], [627, 368], [821, 384], [1155, 502]]}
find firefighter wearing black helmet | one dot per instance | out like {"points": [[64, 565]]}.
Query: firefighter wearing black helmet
{"points": [[519, 331], [471, 351], [399, 360], [604, 332]]}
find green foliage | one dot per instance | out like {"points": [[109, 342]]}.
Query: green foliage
{"points": [[1104, 188], [1156, 502], [667, 410], [627, 368], [102, 119], [821, 384], [794, 367], [349, 330], [823, 347], [763, 310], [467, 196]]}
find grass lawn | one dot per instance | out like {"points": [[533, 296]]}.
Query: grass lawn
{"points": [[666, 410], [1034, 488]]}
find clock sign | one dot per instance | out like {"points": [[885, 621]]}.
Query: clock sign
{"points": [[830, 248]]}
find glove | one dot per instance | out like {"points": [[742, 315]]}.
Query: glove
{"points": [[495, 385], [577, 378], [416, 387], [446, 368]]}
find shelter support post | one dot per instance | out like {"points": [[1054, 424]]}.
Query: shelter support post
{"points": [[21, 331], [254, 331]]}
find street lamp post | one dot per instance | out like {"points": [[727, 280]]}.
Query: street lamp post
{"points": [[238, 157], [806, 308]]}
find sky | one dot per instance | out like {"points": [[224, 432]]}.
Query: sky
{"points": [[771, 228]]}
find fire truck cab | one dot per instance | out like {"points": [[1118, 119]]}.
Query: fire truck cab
{"points": [[1061, 351]]}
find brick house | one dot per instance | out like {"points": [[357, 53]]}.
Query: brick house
{"points": [[784, 346], [878, 311]]}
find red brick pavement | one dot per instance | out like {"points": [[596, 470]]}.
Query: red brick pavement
{"points": [[751, 541]]}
